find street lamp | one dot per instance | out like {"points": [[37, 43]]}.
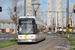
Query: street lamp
{"points": [[36, 8]]}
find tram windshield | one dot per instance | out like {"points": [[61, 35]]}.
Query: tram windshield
{"points": [[26, 26]]}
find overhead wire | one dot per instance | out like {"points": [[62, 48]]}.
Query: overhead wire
{"points": [[44, 2]]}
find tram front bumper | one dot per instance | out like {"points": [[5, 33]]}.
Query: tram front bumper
{"points": [[27, 40]]}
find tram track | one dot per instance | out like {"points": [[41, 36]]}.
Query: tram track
{"points": [[36, 45], [64, 41], [41, 46], [53, 45], [48, 44], [20, 47], [15, 47]]}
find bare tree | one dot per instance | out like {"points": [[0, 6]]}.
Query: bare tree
{"points": [[15, 15]]}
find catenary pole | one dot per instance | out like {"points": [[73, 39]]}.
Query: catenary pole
{"points": [[24, 7], [67, 14]]}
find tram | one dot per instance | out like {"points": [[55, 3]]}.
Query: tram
{"points": [[30, 29]]}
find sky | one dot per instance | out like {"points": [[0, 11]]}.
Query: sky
{"points": [[43, 7]]}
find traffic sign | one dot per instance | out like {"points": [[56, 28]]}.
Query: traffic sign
{"points": [[62, 27], [0, 9], [7, 30]]}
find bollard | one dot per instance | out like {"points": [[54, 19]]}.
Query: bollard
{"points": [[63, 34], [58, 34], [68, 36]]}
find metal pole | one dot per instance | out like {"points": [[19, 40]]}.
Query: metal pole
{"points": [[16, 21], [24, 7], [67, 13], [62, 19], [35, 13], [16, 25], [52, 23], [57, 22], [67, 10], [0, 27]]}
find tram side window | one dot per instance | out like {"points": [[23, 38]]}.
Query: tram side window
{"points": [[40, 28], [37, 28]]}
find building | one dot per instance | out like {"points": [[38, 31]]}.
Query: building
{"points": [[50, 14], [30, 7], [72, 22], [64, 22], [59, 13], [37, 6], [4, 26], [44, 20]]}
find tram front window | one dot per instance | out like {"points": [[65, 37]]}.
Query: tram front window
{"points": [[26, 27]]}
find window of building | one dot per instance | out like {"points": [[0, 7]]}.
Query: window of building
{"points": [[27, 12]]}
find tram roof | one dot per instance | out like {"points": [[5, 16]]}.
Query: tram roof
{"points": [[27, 17], [36, 18]]}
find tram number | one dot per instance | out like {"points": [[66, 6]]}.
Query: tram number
{"points": [[25, 36]]}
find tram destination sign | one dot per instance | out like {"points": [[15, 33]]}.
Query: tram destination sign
{"points": [[26, 21]]}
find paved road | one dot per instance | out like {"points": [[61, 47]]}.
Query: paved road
{"points": [[7, 37], [51, 43]]}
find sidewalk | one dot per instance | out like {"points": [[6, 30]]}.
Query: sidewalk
{"points": [[72, 36]]}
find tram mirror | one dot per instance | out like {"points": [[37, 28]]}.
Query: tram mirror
{"points": [[36, 26], [37, 30], [18, 28]]}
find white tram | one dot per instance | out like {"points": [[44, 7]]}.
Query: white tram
{"points": [[30, 29]]}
